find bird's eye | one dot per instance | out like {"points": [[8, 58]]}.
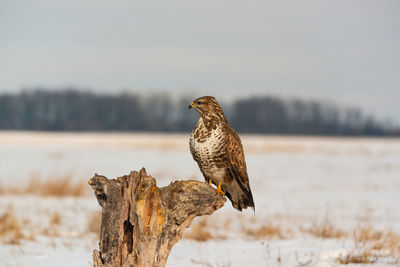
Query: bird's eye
{"points": [[198, 102]]}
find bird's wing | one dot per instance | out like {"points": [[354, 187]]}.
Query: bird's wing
{"points": [[235, 157]]}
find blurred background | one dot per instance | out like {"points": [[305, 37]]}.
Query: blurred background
{"points": [[306, 67], [312, 87]]}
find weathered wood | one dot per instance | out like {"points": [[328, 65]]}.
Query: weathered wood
{"points": [[141, 222]]}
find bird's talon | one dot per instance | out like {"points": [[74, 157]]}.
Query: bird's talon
{"points": [[219, 189]]}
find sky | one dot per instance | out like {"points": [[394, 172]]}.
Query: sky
{"points": [[343, 51]]}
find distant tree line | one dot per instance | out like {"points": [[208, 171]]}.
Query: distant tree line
{"points": [[75, 110]]}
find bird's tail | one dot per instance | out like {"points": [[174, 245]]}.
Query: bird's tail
{"points": [[242, 199]]}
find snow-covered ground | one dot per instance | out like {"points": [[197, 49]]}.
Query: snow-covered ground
{"points": [[300, 185]]}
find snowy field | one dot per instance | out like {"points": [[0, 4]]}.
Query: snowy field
{"points": [[319, 201]]}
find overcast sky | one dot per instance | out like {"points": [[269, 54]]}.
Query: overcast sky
{"points": [[344, 51]]}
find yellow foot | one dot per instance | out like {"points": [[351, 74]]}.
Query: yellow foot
{"points": [[219, 190], [209, 182]]}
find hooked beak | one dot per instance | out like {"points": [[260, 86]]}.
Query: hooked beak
{"points": [[191, 105]]}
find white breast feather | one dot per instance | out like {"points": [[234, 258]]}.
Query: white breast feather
{"points": [[206, 150]]}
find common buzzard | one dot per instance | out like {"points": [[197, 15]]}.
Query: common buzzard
{"points": [[218, 151]]}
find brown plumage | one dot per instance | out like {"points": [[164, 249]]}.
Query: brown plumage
{"points": [[218, 151]]}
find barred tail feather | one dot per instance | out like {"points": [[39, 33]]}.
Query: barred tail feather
{"points": [[241, 199]]}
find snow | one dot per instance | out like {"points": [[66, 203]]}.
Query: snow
{"points": [[296, 182]]}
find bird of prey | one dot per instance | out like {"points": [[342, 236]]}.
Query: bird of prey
{"points": [[218, 151]]}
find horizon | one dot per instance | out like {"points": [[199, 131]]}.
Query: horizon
{"points": [[81, 111], [224, 101]]}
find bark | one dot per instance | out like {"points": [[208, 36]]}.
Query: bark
{"points": [[141, 222]]}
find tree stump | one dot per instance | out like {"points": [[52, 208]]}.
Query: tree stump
{"points": [[141, 222]]}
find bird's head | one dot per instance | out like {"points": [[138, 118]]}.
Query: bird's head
{"points": [[207, 105]]}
